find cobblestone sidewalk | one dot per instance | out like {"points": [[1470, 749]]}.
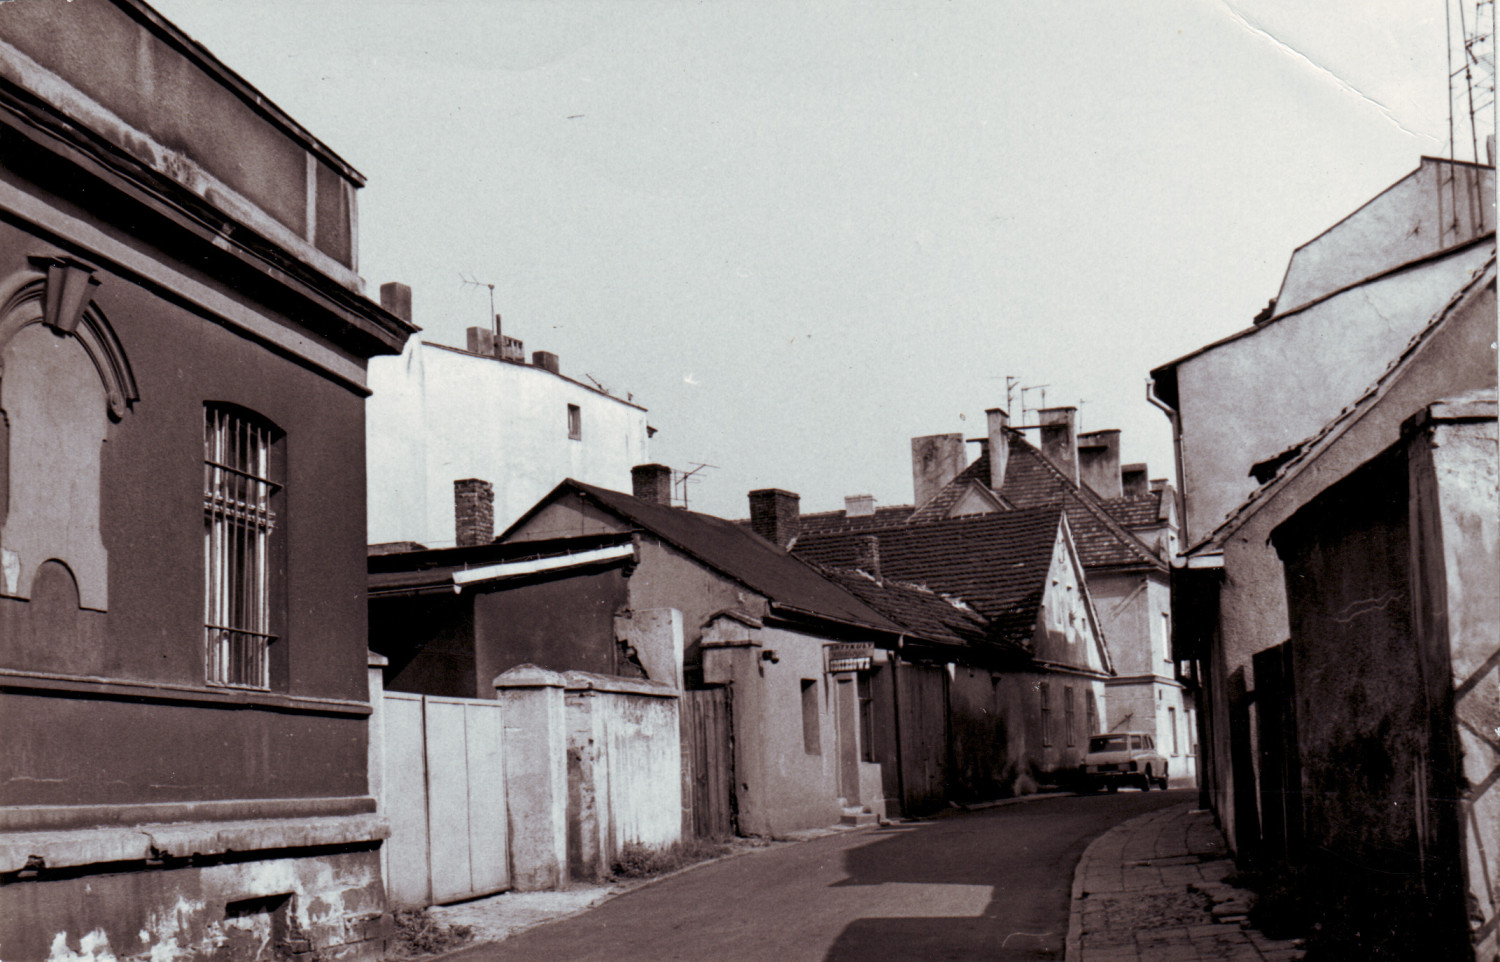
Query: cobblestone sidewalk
{"points": [[1153, 889]]}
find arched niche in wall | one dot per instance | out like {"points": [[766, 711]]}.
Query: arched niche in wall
{"points": [[64, 379]]}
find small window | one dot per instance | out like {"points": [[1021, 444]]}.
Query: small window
{"points": [[1135, 742], [1070, 718], [1045, 693], [810, 740], [1091, 712], [240, 506], [1172, 720], [575, 422]]}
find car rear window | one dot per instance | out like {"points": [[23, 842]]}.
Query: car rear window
{"points": [[1107, 743], [1135, 742]]}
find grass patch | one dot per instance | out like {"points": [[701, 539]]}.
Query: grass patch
{"points": [[419, 934], [637, 861]]}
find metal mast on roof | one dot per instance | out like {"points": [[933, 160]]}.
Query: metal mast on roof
{"points": [[1475, 38], [683, 477], [495, 323]]}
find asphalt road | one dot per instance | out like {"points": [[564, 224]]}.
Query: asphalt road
{"points": [[991, 885]]}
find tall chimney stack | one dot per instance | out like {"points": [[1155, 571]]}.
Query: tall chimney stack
{"points": [[775, 515], [652, 482], [935, 460], [1133, 481], [1099, 462], [1060, 439], [396, 298], [473, 512], [997, 448]]}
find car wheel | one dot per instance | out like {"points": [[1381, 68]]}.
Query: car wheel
{"points": [[1162, 782], [1146, 780], [1113, 787]]}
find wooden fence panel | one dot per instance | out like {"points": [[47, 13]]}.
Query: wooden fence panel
{"points": [[489, 829], [707, 735], [405, 801]]}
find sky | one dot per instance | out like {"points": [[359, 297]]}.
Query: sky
{"points": [[802, 233]]}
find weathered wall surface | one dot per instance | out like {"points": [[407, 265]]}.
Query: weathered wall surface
{"points": [[1317, 361], [429, 643], [624, 769], [439, 414], [329, 904], [563, 623]]}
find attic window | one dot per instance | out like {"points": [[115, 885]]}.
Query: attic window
{"points": [[575, 422]]}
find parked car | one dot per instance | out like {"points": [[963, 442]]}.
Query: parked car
{"points": [[1123, 758]]}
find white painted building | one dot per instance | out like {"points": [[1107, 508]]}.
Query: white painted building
{"points": [[440, 414]]}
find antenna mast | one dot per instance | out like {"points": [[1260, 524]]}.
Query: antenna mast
{"points": [[1471, 84], [494, 325]]}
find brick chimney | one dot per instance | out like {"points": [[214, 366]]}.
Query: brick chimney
{"points": [[1060, 439], [545, 360], [775, 515], [473, 512], [1099, 462], [396, 298], [859, 505], [1133, 481], [867, 555], [997, 447], [652, 482], [935, 460], [480, 340]]}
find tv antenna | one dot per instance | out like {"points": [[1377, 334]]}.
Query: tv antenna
{"points": [[685, 478], [1471, 84], [1041, 389], [470, 281]]}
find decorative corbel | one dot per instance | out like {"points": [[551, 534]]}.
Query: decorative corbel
{"points": [[70, 288]]}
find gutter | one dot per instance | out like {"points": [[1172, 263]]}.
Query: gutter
{"points": [[458, 580]]}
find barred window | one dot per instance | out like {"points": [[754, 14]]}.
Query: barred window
{"points": [[239, 519], [1045, 691]]}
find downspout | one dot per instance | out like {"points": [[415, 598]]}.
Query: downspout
{"points": [[1176, 421], [896, 712]]}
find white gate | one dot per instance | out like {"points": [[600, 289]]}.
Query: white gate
{"points": [[444, 793]]}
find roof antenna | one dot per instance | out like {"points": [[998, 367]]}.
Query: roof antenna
{"points": [[470, 281], [684, 477]]}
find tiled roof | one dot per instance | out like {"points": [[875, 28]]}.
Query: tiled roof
{"points": [[841, 521], [997, 563], [735, 551], [1032, 481], [1142, 512], [924, 611]]}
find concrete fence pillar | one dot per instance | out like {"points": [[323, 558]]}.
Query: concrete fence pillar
{"points": [[375, 745], [536, 776]]}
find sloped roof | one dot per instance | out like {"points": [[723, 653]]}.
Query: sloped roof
{"points": [[1294, 459], [733, 550], [842, 521], [1032, 481], [997, 563], [924, 611], [1141, 512]]}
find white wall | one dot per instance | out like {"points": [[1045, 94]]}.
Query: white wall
{"points": [[438, 414]]}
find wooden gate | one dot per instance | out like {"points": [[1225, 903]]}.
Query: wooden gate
{"points": [[444, 794], [708, 762]]}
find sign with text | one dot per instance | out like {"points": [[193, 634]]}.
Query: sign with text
{"points": [[845, 656]]}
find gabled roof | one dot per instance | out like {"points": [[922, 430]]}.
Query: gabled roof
{"points": [[926, 613], [1032, 481], [1294, 460], [997, 563], [1141, 512], [843, 521], [732, 550]]}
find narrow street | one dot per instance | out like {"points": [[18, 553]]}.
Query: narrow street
{"points": [[990, 885]]}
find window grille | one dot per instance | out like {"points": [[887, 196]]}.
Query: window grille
{"points": [[238, 520], [1070, 719]]}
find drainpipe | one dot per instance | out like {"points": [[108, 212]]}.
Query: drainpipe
{"points": [[1176, 421], [896, 711]]}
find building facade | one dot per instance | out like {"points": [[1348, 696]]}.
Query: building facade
{"points": [[439, 414], [183, 337]]}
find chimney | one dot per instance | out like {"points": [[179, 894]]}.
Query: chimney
{"points": [[396, 298], [1099, 462], [1060, 439], [652, 482], [473, 512], [997, 446], [1133, 481], [859, 505], [545, 360], [867, 555], [935, 460], [775, 515], [481, 340]]}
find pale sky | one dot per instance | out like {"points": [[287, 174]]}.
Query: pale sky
{"points": [[801, 233]]}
